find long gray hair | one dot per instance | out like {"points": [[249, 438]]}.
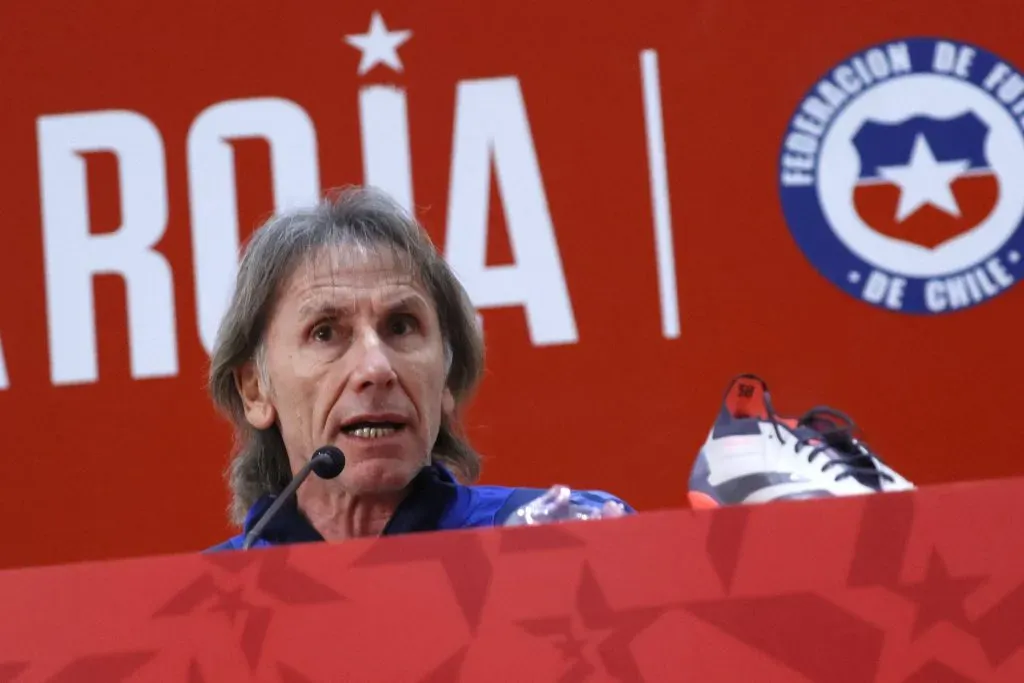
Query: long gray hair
{"points": [[363, 217]]}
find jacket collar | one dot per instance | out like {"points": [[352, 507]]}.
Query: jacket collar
{"points": [[432, 491]]}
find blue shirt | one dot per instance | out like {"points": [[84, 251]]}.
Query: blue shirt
{"points": [[435, 502]]}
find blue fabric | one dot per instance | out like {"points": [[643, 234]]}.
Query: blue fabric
{"points": [[436, 502]]}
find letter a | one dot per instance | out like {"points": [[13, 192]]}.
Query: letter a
{"points": [[491, 119]]}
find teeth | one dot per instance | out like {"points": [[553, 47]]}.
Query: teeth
{"points": [[373, 432]]}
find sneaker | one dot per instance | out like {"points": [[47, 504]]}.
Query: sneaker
{"points": [[838, 430], [754, 456]]}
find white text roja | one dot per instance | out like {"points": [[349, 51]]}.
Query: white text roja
{"points": [[491, 134]]}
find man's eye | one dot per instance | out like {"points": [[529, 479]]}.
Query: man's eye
{"points": [[323, 333], [403, 325]]}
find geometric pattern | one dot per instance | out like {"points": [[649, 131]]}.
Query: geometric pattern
{"points": [[911, 587]]}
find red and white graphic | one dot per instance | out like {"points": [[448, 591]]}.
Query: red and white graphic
{"points": [[602, 182]]}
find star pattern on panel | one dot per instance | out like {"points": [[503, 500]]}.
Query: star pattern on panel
{"points": [[939, 596], [999, 630], [248, 586], [449, 670], [596, 636], [724, 540], [463, 558], [937, 672], [886, 526], [116, 666], [231, 602], [290, 674], [601, 628], [538, 538], [779, 626], [468, 568], [9, 671], [378, 45]]}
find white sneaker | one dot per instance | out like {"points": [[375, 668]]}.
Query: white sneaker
{"points": [[754, 456]]}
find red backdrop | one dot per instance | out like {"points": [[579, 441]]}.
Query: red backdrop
{"points": [[121, 463]]}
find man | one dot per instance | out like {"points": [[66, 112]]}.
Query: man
{"points": [[347, 328]]}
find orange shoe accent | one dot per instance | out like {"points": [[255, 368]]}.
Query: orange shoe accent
{"points": [[745, 397], [701, 501]]}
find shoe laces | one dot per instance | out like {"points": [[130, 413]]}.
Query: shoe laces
{"points": [[836, 440]]}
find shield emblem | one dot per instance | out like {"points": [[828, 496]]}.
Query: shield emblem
{"points": [[925, 180]]}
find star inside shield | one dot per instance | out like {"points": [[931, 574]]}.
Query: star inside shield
{"points": [[596, 637], [925, 180]]}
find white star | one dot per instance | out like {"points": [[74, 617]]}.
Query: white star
{"points": [[924, 181], [379, 45], [1013, 257], [853, 276]]}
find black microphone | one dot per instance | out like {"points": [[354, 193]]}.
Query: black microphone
{"points": [[327, 462]]}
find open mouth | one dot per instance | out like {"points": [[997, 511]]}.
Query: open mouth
{"points": [[372, 430]]}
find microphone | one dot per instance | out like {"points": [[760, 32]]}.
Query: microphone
{"points": [[327, 462]]}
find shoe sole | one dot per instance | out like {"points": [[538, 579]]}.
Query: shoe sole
{"points": [[702, 501]]}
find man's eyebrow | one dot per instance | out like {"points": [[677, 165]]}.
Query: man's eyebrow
{"points": [[323, 309], [408, 303]]}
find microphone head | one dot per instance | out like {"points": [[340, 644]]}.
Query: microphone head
{"points": [[328, 462]]}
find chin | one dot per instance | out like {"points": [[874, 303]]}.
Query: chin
{"points": [[378, 475]]}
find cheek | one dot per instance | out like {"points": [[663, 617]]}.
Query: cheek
{"points": [[294, 399], [430, 387]]}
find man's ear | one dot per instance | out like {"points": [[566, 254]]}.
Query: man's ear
{"points": [[447, 402], [259, 410]]}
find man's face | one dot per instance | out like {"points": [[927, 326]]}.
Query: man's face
{"points": [[355, 358]]}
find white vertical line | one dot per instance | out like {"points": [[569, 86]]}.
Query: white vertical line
{"points": [[384, 123], [4, 383], [655, 130]]}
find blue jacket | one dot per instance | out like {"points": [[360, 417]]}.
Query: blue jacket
{"points": [[435, 502]]}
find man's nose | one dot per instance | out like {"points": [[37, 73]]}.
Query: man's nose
{"points": [[373, 367]]}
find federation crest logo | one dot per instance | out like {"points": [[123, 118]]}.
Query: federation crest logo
{"points": [[902, 176]]}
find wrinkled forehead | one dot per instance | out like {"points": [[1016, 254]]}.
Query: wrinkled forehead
{"points": [[353, 270]]}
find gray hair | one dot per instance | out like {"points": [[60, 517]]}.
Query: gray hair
{"points": [[365, 217]]}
